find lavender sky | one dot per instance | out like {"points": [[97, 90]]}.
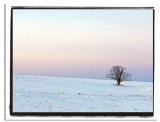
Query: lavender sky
{"points": [[83, 43]]}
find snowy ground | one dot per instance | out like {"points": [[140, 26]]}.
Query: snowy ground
{"points": [[58, 94]]}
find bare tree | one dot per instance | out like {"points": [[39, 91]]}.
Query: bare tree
{"points": [[119, 74]]}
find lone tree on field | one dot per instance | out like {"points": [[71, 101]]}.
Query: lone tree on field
{"points": [[119, 74]]}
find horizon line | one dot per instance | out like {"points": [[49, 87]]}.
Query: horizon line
{"points": [[77, 77]]}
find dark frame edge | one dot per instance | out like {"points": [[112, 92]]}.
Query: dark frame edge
{"points": [[76, 7], [140, 114], [11, 62], [153, 54]]}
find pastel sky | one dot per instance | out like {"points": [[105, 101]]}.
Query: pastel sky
{"points": [[83, 43]]}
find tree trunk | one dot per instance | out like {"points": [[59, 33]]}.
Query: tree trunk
{"points": [[118, 82]]}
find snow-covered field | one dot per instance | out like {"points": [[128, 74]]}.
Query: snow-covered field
{"points": [[58, 94]]}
